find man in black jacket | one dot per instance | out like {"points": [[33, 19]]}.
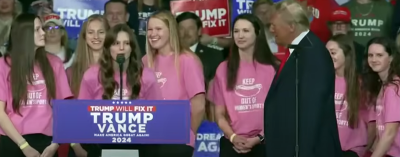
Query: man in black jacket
{"points": [[190, 28], [313, 131], [340, 23]]}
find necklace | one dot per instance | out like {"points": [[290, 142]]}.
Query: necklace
{"points": [[366, 14]]}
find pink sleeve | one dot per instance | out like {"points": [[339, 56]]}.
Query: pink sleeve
{"points": [[367, 114], [3, 83], [85, 91], [68, 71], [63, 89], [215, 94], [392, 105], [144, 61], [193, 77], [150, 88], [371, 114]]}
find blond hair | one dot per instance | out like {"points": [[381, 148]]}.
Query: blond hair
{"points": [[293, 13], [83, 55], [174, 40]]}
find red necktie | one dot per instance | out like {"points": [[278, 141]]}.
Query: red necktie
{"points": [[283, 61]]}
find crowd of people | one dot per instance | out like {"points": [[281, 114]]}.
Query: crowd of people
{"points": [[350, 50]]}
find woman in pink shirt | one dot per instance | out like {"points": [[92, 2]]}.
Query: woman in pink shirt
{"points": [[381, 84], [240, 87], [102, 81], [29, 79], [352, 116], [88, 51], [179, 74]]}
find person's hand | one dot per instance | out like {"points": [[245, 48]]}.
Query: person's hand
{"points": [[241, 151], [79, 151], [30, 152], [251, 142], [239, 143], [50, 150], [205, 39]]}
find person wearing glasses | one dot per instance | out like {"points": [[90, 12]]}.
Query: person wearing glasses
{"points": [[57, 39]]}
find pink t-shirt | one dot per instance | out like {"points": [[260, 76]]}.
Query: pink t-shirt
{"points": [[37, 114], [91, 87], [181, 83], [350, 139], [245, 103], [387, 111]]}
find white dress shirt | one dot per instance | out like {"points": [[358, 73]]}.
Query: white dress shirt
{"points": [[193, 47], [297, 40]]}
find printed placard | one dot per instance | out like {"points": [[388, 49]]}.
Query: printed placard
{"points": [[121, 122], [213, 13], [75, 12], [241, 7], [207, 140]]}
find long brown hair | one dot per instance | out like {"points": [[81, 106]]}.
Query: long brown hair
{"points": [[351, 76], [157, 4], [23, 60], [133, 72], [372, 84], [262, 53], [84, 57]]}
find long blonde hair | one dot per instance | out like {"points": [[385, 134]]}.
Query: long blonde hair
{"points": [[174, 40], [84, 57]]}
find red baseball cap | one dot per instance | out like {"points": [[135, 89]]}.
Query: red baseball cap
{"points": [[340, 14]]}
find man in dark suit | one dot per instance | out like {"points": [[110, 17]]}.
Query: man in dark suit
{"points": [[317, 128], [190, 27]]}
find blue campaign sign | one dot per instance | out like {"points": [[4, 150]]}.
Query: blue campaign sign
{"points": [[75, 12], [241, 7], [207, 140], [111, 121]]}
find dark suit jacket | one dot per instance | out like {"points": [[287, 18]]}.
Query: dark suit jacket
{"points": [[210, 58], [318, 132]]}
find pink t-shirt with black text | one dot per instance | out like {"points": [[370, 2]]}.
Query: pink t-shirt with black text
{"points": [[387, 111], [91, 87], [37, 114], [245, 103], [350, 139], [181, 83]]}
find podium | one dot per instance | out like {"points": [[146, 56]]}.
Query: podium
{"points": [[121, 122]]}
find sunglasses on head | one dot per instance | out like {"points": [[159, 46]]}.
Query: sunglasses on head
{"points": [[48, 28]]}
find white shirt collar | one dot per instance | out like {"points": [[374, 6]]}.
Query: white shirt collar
{"points": [[193, 47], [297, 40]]}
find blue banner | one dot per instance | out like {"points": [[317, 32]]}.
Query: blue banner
{"points": [[108, 121], [75, 12], [241, 7], [207, 140]]}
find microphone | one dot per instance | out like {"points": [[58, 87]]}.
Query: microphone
{"points": [[120, 60], [296, 55]]}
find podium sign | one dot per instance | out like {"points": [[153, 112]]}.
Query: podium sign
{"points": [[121, 122]]}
